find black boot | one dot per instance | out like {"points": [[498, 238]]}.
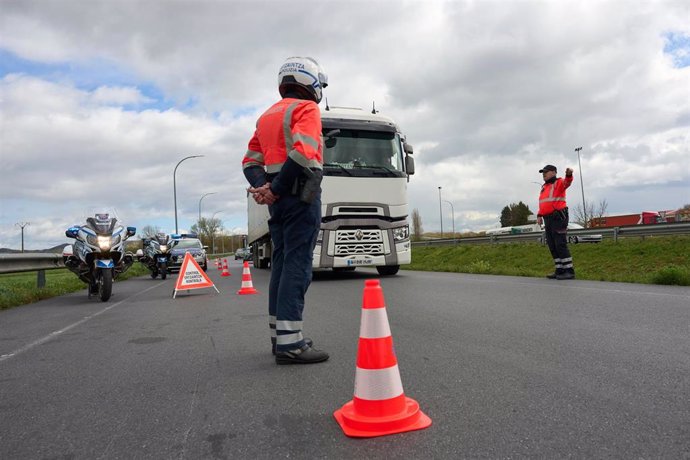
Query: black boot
{"points": [[555, 274], [568, 274], [307, 340], [304, 355]]}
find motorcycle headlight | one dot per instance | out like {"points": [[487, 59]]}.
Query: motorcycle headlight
{"points": [[164, 248], [104, 242], [401, 233], [92, 240]]}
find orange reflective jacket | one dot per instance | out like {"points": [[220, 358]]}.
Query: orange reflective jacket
{"points": [[290, 128], [552, 196]]}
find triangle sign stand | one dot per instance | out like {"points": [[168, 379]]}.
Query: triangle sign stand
{"points": [[192, 276]]}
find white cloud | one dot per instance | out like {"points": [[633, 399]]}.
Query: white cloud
{"points": [[486, 94]]}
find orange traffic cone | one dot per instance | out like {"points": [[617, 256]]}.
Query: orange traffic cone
{"points": [[247, 286], [219, 265], [225, 268], [379, 406]]}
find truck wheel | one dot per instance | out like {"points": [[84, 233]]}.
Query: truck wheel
{"points": [[388, 270]]}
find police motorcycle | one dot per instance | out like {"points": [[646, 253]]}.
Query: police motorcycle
{"points": [[98, 253], [156, 254]]}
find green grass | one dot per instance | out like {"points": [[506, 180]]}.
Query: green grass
{"points": [[652, 260], [20, 288]]}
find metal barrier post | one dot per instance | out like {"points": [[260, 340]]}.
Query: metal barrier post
{"points": [[41, 279]]}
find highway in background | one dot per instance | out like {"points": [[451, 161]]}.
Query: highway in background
{"points": [[504, 366]]}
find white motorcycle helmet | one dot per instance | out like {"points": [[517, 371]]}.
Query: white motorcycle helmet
{"points": [[303, 72]]}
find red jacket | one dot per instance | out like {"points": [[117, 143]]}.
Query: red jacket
{"points": [[552, 196], [289, 128]]}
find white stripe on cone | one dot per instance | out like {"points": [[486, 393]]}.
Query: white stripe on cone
{"points": [[378, 384]]}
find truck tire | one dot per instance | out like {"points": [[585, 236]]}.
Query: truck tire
{"points": [[388, 270]]}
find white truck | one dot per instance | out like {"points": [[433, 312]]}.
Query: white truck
{"points": [[367, 165]]}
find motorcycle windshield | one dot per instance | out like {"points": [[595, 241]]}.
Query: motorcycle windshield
{"points": [[103, 220]]}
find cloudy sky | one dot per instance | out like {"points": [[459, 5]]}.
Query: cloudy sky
{"points": [[100, 100]]}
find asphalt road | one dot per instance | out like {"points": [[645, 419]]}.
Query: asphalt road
{"points": [[506, 367]]}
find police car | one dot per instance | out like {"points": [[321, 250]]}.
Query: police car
{"points": [[183, 243]]}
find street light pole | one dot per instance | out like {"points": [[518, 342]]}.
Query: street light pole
{"points": [[213, 237], [582, 187], [202, 197], [440, 210], [175, 185], [22, 225], [452, 214]]}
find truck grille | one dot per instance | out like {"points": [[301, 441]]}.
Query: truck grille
{"points": [[358, 241]]}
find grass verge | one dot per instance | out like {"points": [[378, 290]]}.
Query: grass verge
{"points": [[20, 288], [652, 260]]}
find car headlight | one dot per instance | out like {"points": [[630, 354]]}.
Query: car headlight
{"points": [[401, 233], [104, 243]]}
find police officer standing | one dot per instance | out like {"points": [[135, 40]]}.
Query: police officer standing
{"points": [[553, 212], [284, 166]]}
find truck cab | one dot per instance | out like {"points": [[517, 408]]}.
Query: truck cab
{"points": [[364, 207]]}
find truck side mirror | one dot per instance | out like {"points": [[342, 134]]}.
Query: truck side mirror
{"points": [[330, 138], [409, 165], [408, 148]]}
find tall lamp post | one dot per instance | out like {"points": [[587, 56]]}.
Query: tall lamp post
{"points": [[213, 237], [452, 215], [175, 185], [22, 225], [582, 187], [440, 210], [202, 197]]}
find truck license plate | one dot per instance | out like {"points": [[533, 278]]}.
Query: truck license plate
{"points": [[360, 262]]}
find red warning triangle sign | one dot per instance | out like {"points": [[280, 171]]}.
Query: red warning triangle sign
{"points": [[192, 276]]}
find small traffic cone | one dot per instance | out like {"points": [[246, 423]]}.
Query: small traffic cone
{"points": [[225, 268], [247, 286], [219, 265], [379, 406]]}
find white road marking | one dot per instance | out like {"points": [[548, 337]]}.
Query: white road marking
{"points": [[54, 334]]}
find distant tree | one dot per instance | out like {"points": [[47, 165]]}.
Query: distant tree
{"points": [[149, 231], [515, 214], [206, 228], [505, 217], [592, 212], [417, 229]]}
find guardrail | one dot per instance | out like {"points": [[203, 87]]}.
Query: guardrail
{"points": [[30, 262], [679, 228]]}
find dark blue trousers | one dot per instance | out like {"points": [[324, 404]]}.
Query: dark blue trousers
{"points": [[555, 229], [294, 226]]}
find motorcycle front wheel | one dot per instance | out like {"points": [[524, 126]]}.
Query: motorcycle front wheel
{"points": [[164, 271], [105, 284]]}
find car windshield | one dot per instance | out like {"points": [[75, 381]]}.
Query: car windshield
{"points": [[352, 152], [188, 244]]}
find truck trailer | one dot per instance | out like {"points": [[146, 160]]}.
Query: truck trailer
{"points": [[367, 166]]}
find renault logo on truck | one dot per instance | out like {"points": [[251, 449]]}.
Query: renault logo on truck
{"points": [[359, 235]]}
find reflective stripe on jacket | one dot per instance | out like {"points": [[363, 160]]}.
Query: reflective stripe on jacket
{"points": [[552, 196], [289, 128]]}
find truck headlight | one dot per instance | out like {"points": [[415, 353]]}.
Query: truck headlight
{"points": [[319, 237], [401, 233], [104, 243]]}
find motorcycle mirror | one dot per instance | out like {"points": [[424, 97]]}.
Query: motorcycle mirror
{"points": [[72, 232], [131, 231]]}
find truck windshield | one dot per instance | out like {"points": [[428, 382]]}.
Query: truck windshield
{"points": [[363, 154]]}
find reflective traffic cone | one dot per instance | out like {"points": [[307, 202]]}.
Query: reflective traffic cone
{"points": [[225, 268], [379, 406], [247, 286], [219, 264]]}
